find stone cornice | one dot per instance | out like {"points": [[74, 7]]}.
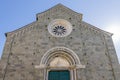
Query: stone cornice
{"points": [[24, 28], [95, 28]]}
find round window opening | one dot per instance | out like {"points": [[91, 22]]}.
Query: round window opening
{"points": [[60, 28]]}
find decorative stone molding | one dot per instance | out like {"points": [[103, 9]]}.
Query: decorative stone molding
{"points": [[85, 24], [59, 28], [56, 52], [72, 62]]}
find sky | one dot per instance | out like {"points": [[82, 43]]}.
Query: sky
{"points": [[104, 14]]}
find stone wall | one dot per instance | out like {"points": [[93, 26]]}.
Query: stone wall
{"points": [[25, 47]]}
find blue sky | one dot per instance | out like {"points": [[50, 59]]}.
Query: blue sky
{"points": [[104, 14]]}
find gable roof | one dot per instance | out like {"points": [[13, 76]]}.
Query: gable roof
{"points": [[64, 8], [59, 7]]}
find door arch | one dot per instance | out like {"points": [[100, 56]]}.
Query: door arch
{"points": [[60, 59], [55, 50]]}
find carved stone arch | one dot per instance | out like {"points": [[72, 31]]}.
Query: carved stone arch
{"points": [[67, 60], [71, 56]]}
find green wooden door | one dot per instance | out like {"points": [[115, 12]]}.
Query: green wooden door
{"points": [[59, 75]]}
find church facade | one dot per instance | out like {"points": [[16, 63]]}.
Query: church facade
{"points": [[59, 46]]}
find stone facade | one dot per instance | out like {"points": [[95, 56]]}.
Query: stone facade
{"points": [[25, 48]]}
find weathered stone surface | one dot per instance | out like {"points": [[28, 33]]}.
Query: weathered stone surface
{"points": [[25, 47]]}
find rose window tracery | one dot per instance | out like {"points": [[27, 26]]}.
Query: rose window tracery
{"points": [[59, 28]]}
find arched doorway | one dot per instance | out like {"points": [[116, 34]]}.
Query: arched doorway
{"points": [[60, 61], [59, 69]]}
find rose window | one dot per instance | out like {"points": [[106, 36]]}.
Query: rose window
{"points": [[59, 30]]}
